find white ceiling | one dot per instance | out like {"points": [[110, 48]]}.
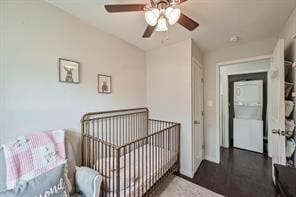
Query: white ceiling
{"points": [[219, 20]]}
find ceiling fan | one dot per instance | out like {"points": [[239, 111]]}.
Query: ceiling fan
{"points": [[158, 14]]}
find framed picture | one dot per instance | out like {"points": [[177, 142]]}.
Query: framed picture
{"points": [[104, 84], [69, 71]]}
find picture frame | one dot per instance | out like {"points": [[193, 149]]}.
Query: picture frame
{"points": [[104, 84], [69, 71]]}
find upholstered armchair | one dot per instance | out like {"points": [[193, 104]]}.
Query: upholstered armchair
{"points": [[85, 182]]}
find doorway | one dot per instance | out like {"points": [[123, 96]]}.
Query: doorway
{"points": [[250, 77], [239, 70], [275, 67]]}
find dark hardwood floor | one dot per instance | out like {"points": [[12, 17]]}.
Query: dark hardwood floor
{"points": [[240, 174]]}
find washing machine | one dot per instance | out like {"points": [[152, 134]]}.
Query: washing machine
{"points": [[247, 121]]}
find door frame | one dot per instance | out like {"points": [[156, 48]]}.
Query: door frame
{"points": [[195, 167], [224, 136], [218, 122]]}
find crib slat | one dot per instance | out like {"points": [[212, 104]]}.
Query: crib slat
{"points": [[135, 169], [146, 165], [113, 175], [93, 144], [129, 171], [124, 170], [118, 172], [143, 178], [153, 157]]}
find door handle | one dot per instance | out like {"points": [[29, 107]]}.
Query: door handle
{"points": [[279, 132], [196, 122], [276, 131]]}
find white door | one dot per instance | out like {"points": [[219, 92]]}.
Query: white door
{"points": [[197, 114], [276, 106]]}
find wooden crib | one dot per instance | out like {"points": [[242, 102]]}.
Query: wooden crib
{"points": [[133, 153]]}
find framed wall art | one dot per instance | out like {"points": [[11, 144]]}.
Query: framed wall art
{"points": [[69, 71], [104, 84]]}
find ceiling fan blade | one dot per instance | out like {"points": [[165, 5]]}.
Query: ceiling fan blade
{"points": [[125, 7], [187, 22], [148, 32]]}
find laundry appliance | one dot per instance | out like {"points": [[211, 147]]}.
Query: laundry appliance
{"points": [[247, 121]]}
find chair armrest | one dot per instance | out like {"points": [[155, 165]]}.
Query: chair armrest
{"points": [[88, 182]]}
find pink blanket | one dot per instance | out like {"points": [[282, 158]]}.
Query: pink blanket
{"points": [[29, 156]]}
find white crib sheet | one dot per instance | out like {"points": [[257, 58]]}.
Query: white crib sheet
{"points": [[145, 174]]}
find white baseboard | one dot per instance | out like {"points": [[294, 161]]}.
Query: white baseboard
{"points": [[212, 159], [187, 173]]}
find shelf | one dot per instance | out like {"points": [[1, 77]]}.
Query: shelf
{"points": [[289, 83], [288, 88], [289, 63]]}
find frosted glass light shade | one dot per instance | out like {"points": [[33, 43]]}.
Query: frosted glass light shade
{"points": [[151, 16], [168, 11], [173, 15], [162, 24]]}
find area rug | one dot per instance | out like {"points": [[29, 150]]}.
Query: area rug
{"points": [[179, 187]]}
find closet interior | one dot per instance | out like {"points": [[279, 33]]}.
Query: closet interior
{"points": [[290, 98]]}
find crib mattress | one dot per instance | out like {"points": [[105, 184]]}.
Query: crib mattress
{"points": [[143, 167]]}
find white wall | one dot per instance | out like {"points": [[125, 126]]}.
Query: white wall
{"points": [[238, 51], [169, 92], [197, 53], [287, 32], [33, 36]]}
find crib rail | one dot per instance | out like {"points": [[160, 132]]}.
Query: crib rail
{"points": [[132, 152]]}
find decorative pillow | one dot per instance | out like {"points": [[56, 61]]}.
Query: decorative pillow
{"points": [[50, 184]]}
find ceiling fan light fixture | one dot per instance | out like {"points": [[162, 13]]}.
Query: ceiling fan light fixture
{"points": [[159, 14], [168, 11], [173, 15], [162, 24], [156, 12], [151, 16]]}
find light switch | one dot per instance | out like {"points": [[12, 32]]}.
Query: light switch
{"points": [[210, 103]]}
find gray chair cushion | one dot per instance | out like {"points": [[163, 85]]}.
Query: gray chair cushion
{"points": [[2, 171], [51, 184]]}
